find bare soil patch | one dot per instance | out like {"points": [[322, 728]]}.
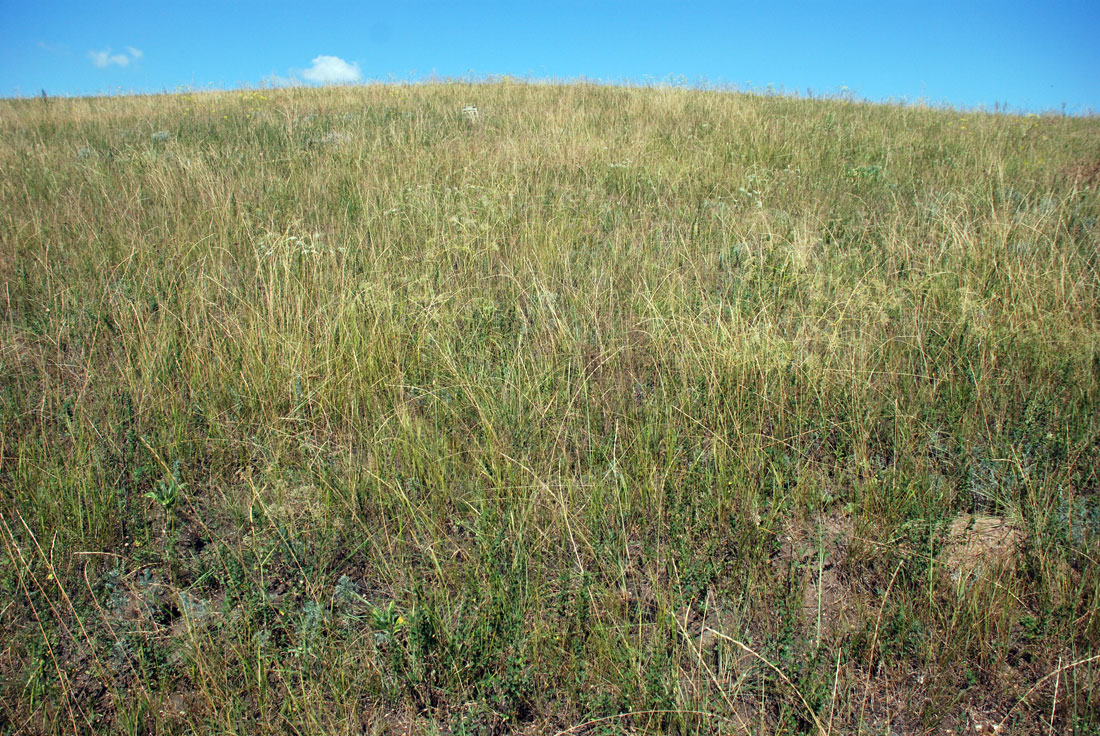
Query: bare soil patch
{"points": [[976, 545]]}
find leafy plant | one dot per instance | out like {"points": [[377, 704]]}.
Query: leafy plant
{"points": [[167, 493]]}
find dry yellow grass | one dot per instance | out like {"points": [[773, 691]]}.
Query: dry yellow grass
{"points": [[334, 411]]}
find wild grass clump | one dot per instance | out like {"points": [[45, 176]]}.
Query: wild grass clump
{"points": [[622, 410]]}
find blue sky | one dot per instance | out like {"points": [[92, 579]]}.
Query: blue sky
{"points": [[1032, 56]]}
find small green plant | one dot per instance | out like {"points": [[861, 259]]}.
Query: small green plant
{"points": [[387, 621], [167, 494]]}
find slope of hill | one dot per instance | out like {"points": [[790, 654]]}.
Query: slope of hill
{"points": [[611, 411]]}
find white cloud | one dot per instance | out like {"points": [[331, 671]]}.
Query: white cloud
{"points": [[332, 70], [105, 58]]}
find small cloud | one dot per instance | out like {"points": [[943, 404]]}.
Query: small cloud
{"points": [[105, 58], [332, 70]]}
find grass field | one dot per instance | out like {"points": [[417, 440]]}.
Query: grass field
{"points": [[330, 411]]}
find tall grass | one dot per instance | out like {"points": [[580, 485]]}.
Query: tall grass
{"points": [[615, 410]]}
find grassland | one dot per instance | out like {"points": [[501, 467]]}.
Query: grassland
{"points": [[616, 411]]}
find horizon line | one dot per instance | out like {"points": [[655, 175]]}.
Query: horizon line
{"points": [[841, 93]]}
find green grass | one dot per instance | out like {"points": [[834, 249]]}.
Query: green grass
{"points": [[617, 411]]}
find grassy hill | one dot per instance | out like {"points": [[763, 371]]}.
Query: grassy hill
{"points": [[615, 411]]}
